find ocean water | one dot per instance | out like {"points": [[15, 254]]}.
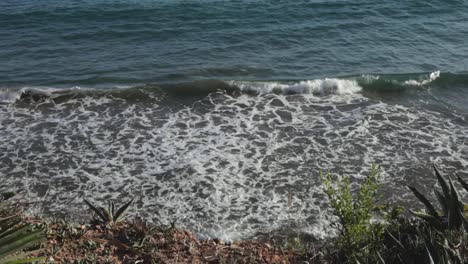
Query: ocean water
{"points": [[222, 114]]}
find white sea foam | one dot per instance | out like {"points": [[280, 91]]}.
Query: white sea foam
{"points": [[316, 87], [369, 78], [432, 77], [9, 95]]}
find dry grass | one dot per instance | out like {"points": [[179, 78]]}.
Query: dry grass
{"points": [[139, 242]]}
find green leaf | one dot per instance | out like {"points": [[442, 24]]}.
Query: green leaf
{"points": [[13, 233], [19, 256], [430, 208], [21, 242], [431, 259], [96, 210], [443, 201], [108, 219], [433, 221], [380, 257], [462, 182], [20, 259], [394, 238], [455, 214], [122, 210], [112, 208], [442, 183], [7, 195], [8, 227]]}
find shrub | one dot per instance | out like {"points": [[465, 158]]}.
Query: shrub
{"points": [[359, 238]]}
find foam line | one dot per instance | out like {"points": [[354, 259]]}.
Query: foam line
{"points": [[316, 87], [432, 77]]}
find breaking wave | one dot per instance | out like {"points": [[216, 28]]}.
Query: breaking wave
{"points": [[432, 77], [317, 87]]}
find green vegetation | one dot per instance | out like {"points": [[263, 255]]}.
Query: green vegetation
{"points": [[435, 236], [361, 223], [109, 216], [452, 216], [354, 213], [446, 239], [17, 239]]}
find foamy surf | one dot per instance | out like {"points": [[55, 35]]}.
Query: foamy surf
{"points": [[319, 87], [8, 95], [343, 86], [232, 166], [35, 93], [432, 77]]}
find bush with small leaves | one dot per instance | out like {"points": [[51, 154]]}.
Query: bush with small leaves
{"points": [[358, 237]]}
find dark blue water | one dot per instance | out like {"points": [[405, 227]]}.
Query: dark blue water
{"points": [[223, 113], [124, 42]]}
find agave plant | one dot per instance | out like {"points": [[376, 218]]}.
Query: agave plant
{"points": [[109, 216], [452, 214], [6, 195], [444, 234], [441, 250], [16, 238]]}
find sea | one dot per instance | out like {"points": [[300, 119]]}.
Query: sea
{"points": [[222, 115]]}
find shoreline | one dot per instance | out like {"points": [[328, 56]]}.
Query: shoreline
{"points": [[134, 240], [368, 232]]}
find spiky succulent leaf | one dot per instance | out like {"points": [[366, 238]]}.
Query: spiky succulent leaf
{"points": [[6, 195], [8, 227], [430, 208], [462, 182], [443, 201], [23, 257], [19, 240], [455, 214], [121, 211], [432, 220], [112, 208], [15, 260], [108, 219], [450, 252], [15, 238], [442, 182], [109, 207], [431, 259], [96, 210], [13, 233]]}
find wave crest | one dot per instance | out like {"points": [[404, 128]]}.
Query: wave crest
{"points": [[367, 84], [432, 77], [316, 87]]}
